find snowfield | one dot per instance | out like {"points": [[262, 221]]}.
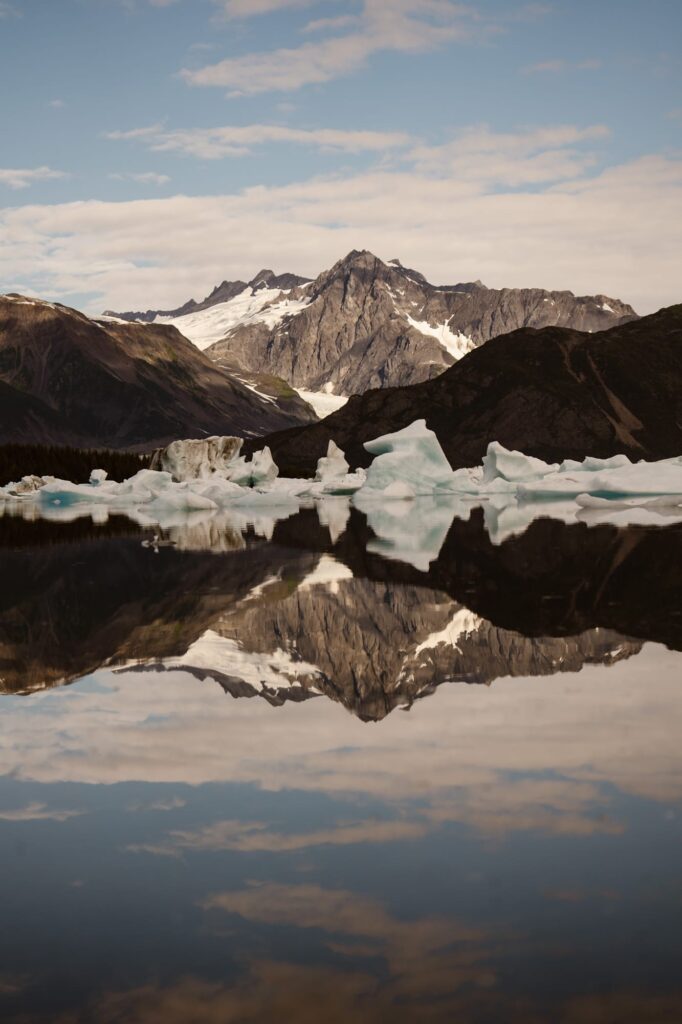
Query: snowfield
{"points": [[266, 306], [410, 494]]}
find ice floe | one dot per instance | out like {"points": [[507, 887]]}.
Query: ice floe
{"points": [[410, 494]]}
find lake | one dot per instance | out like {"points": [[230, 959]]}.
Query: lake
{"points": [[260, 770]]}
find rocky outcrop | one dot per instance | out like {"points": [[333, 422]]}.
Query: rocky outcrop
{"points": [[553, 393], [369, 324], [67, 379]]}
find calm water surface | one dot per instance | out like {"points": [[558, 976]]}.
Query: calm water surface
{"points": [[292, 779]]}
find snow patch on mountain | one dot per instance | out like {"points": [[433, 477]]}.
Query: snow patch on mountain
{"points": [[328, 573], [323, 402], [212, 652], [266, 306], [458, 345], [463, 622]]}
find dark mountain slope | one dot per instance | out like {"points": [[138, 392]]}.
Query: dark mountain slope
{"points": [[67, 379], [552, 393]]}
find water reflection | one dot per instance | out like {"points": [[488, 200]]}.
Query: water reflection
{"points": [[316, 610], [504, 852]]}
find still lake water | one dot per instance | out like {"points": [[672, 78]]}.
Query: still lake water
{"points": [[289, 779]]}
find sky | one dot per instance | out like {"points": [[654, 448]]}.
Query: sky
{"points": [[153, 148]]}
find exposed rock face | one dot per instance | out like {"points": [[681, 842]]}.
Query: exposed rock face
{"points": [[221, 293], [67, 379], [369, 324], [553, 393]]}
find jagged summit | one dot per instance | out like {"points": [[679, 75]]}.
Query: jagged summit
{"points": [[366, 323]]}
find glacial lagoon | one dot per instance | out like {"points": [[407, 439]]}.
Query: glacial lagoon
{"points": [[312, 769]]}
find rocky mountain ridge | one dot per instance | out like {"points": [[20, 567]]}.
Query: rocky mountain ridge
{"points": [[223, 292], [367, 324]]}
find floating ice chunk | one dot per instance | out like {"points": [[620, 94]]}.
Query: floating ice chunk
{"points": [[512, 466], [332, 466], [97, 477], [261, 470], [28, 485], [412, 455], [345, 485], [65, 494], [264, 469], [197, 459], [180, 498], [594, 465], [399, 490]]}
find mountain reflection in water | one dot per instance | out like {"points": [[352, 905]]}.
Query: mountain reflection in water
{"points": [[499, 854]]}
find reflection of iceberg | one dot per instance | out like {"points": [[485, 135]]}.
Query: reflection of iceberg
{"points": [[411, 531]]}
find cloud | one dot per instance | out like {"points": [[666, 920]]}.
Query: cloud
{"points": [[499, 207], [251, 836], [8, 10], [17, 178], [147, 131], [57, 104], [426, 958], [254, 8], [385, 25], [144, 178], [558, 66], [239, 140], [172, 803], [38, 812], [513, 159]]}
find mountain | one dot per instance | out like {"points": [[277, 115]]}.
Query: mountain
{"points": [[553, 393], [67, 379], [369, 324]]}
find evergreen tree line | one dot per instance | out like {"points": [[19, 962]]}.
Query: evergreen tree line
{"points": [[75, 464]]}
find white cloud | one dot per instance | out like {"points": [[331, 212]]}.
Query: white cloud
{"points": [[252, 8], [527, 157], [559, 65], [38, 812], [23, 177], [145, 178], [398, 25], [147, 131], [238, 140], [57, 104], [617, 232]]}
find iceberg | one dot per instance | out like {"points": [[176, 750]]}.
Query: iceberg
{"points": [[414, 458], [197, 459], [333, 466]]}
